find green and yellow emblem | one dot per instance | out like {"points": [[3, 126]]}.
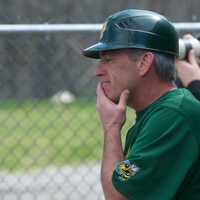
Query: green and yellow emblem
{"points": [[125, 170], [103, 29]]}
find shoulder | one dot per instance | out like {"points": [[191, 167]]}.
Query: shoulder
{"points": [[174, 109], [181, 101], [177, 111]]}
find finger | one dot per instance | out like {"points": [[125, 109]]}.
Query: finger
{"points": [[101, 97], [100, 91], [192, 58], [124, 99]]}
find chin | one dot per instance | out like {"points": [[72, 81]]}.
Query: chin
{"points": [[114, 99]]}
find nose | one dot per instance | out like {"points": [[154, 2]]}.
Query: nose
{"points": [[100, 71]]}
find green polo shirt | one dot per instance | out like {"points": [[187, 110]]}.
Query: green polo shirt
{"points": [[162, 151]]}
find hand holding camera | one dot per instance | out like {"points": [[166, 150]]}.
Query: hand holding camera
{"points": [[189, 56], [187, 43]]}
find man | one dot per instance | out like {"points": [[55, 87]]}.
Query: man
{"points": [[160, 161]]}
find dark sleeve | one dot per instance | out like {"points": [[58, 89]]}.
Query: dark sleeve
{"points": [[194, 88]]}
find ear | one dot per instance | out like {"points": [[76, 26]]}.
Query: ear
{"points": [[145, 63]]}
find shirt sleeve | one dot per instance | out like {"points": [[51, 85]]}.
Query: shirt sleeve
{"points": [[194, 88], [159, 159]]}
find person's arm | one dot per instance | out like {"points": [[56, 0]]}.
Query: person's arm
{"points": [[194, 87], [112, 118]]}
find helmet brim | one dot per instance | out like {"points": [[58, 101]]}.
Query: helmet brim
{"points": [[94, 50]]}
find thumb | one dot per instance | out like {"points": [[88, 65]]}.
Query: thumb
{"points": [[123, 99]]}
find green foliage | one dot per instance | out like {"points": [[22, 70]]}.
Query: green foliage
{"points": [[35, 134]]}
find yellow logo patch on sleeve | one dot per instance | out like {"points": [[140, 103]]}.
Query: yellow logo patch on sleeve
{"points": [[125, 170]]}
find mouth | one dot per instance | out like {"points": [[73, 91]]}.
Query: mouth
{"points": [[105, 85]]}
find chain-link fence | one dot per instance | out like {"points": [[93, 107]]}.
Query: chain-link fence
{"points": [[50, 137], [50, 142]]}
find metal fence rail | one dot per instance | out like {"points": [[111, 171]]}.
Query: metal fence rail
{"points": [[50, 137], [50, 28]]}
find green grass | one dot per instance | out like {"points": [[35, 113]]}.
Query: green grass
{"points": [[36, 134]]}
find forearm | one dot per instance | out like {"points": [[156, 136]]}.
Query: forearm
{"points": [[112, 154], [112, 117]]}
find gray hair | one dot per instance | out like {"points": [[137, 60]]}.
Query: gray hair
{"points": [[164, 64]]}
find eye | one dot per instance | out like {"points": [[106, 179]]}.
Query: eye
{"points": [[106, 59]]}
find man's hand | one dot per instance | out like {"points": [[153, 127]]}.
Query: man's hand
{"points": [[112, 118], [112, 115]]}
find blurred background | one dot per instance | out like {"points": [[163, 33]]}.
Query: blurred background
{"points": [[50, 135]]}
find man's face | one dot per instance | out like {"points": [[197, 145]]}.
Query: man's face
{"points": [[116, 72]]}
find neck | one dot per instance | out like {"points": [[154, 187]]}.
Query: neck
{"points": [[144, 96]]}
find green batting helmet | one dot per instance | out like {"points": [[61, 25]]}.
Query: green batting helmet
{"points": [[138, 29]]}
